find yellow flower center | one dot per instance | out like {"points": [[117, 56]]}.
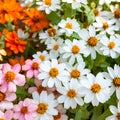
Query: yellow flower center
{"points": [[75, 49], [75, 73], [2, 96], [71, 93], [56, 47], [53, 72], [118, 116], [10, 76], [116, 81], [92, 41], [42, 57], [96, 88], [105, 25], [48, 2], [69, 25], [35, 65], [24, 110], [96, 12], [42, 108], [117, 13], [51, 32], [111, 45]]}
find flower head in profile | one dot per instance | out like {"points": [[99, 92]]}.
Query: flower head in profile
{"points": [[36, 20], [11, 77], [25, 110], [95, 89], [31, 67], [45, 106], [14, 43]]}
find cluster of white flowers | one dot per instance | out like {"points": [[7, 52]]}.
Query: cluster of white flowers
{"points": [[63, 64]]}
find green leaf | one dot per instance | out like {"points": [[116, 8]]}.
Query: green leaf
{"points": [[90, 17], [54, 18], [78, 115]]}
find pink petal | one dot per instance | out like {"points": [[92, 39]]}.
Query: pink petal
{"points": [[20, 80], [11, 87], [9, 114], [26, 67], [16, 68], [29, 74], [32, 89], [10, 96], [6, 67]]}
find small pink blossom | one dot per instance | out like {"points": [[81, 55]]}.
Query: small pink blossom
{"points": [[11, 77], [6, 98], [39, 88], [31, 67], [25, 110]]}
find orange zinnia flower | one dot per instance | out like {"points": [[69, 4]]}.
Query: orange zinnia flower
{"points": [[14, 43], [10, 10], [36, 20]]}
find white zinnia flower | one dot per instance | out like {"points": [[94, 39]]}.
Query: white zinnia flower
{"points": [[43, 56], [48, 5], [52, 73], [95, 89], [71, 95], [114, 76], [73, 50], [115, 112], [101, 2], [91, 41], [46, 105], [69, 26], [110, 46], [78, 71]]}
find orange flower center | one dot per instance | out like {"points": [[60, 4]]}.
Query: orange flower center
{"points": [[118, 116], [42, 108], [57, 117], [75, 73], [10, 76], [105, 25], [96, 12], [116, 81], [96, 88], [117, 13], [51, 32], [71, 93], [36, 19], [69, 25], [56, 47], [42, 57], [2, 96], [2, 119], [111, 45], [75, 49], [40, 89], [92, 41], [35, 65], [53, 72], [24, 110], [48, 2]]}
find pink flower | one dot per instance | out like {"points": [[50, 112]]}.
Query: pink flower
{"points": [[8, 115], [31, 66], [25, 110], [39, 88], [6, 98], [11, 77]]}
